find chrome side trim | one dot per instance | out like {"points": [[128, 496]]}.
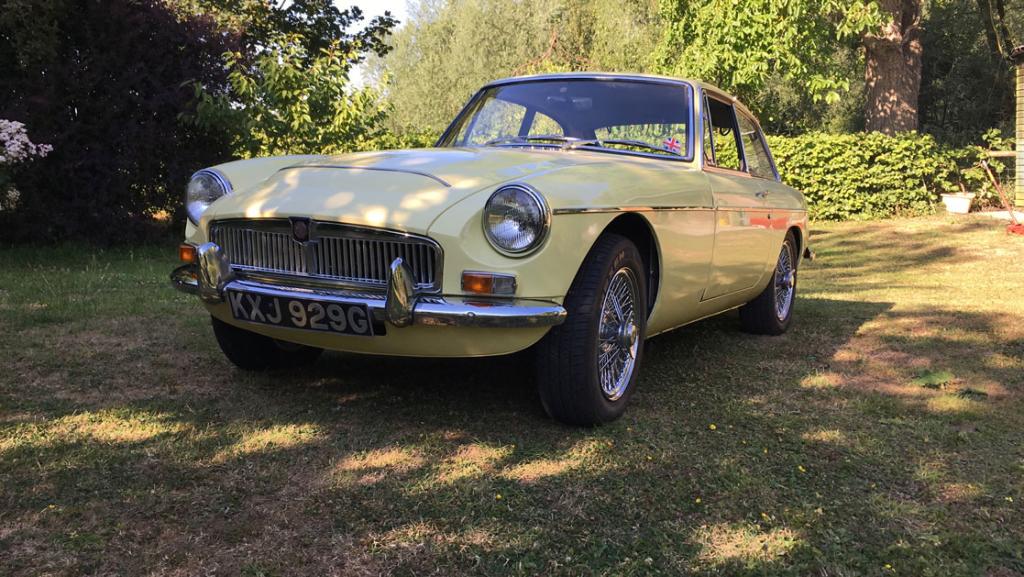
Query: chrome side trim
{"points": [[372, 168], [598, 210]]}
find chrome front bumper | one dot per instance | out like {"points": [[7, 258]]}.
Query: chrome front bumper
{"points": [[400, 306]]}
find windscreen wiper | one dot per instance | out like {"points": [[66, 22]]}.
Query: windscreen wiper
{"points": [[567, 141], [634, 143]]}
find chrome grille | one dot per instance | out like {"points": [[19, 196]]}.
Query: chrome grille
{"points": [[336, 253]]}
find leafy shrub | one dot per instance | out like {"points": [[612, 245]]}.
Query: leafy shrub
{"points": [[973, 178], [288, 101], [102, 82], [865, 175]]}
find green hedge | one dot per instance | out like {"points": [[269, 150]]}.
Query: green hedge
{"points": [[870, 175], [865, 175]]}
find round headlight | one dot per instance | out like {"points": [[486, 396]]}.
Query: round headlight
{"points": [[516, 219], [206, 186]]}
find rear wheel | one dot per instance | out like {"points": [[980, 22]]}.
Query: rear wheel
{"points": [[771, 312], [252, 352], [587, 367]]}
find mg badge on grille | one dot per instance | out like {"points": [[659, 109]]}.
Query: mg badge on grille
{"points": [[300, 229]]}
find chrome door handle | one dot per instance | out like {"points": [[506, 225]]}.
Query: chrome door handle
{"points": [[761, 194]]}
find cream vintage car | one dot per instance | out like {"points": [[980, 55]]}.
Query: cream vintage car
{"points": [[578, 214]]}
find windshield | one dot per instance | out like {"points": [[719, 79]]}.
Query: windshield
{"points": [[612, 115]]}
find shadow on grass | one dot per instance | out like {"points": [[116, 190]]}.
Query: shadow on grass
{"points": [[807, 453]]}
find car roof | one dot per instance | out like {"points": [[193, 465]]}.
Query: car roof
{"points": [[622, 76]]}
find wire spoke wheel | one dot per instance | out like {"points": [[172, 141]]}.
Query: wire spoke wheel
{"points": [[618, 334], [785, 282]]}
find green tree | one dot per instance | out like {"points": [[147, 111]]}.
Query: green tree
{"points": [[319, 24], [288, 101], [743, 46], [450, 48], [289, 89]]}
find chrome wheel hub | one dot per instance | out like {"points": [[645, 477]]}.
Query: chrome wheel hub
{"points": [[618, 335], [785, 283]]}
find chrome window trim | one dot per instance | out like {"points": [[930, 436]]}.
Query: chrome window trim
{"points": [[740, 150], [690, 148]]}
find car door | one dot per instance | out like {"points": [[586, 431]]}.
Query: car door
{"points": [[742, 223]]}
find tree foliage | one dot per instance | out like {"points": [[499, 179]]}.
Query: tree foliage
{"points": [[289, 89], [741, 46], [287, 101], [102, 82], [316, 24], [449, 48]]}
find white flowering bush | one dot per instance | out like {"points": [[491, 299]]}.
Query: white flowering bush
{"points": [[15, 149]]}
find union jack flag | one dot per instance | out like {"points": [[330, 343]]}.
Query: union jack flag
{"points": [[671, 145]]}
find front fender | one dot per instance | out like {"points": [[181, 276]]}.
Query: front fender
{"points": [[544, 274]]}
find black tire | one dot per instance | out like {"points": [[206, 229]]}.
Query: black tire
{"points": [[252, 352], [761, 315], [567, 357]]}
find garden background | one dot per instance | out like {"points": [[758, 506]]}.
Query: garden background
{"points": [[874, 107]]}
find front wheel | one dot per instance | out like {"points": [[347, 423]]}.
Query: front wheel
{"points": [[252, 352], [771, 312], [587, 367]]}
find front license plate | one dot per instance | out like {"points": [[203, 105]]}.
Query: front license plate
{"points": [[345, 319]]}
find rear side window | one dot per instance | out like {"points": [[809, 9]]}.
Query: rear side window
{"points": [[759, 163], [724, 135]]}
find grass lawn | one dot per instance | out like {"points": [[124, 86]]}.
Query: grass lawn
{"points": [[884, 435]]}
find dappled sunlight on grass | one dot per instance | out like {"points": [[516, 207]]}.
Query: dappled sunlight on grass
{"points": [[471, 461], [583, 454], [376, 465], [834, 436], [885, 429], [745, 543], [268, 439]]}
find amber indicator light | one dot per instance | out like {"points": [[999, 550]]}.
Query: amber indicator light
{"points": [[487, 283], [187, 254]]}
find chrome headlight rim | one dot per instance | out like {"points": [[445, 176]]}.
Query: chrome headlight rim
{"points": [[221, 180], [545, 224]]}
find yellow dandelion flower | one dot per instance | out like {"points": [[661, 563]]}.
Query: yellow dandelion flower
{"points": [[498, 497], [712, 427]]}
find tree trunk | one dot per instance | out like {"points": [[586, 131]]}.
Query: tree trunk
{"points": [[893, 73]]}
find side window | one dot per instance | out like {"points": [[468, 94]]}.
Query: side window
{"points": [[758, 161], [725, 135]]}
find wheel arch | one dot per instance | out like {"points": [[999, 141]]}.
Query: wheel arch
{"points": [[798, 234], [639, 230]]}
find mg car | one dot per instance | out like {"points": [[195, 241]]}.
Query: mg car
{"points": [[576, 215]]}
